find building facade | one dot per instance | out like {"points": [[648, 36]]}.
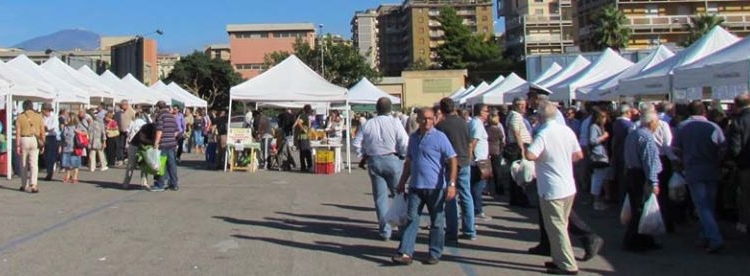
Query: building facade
{"points": [[249, 43], [537, 26], [657, 22], [220, 51], [425, 88], [410, 33], [166, 63], [365, 35]]}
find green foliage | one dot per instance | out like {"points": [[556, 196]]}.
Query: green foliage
{"points": [[699, 26], [207, 78], [611, 30], [464, 50], [344, 66]]}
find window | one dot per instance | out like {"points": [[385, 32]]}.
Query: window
{"points": [[652, 10], [538, 11], [249, 66], [538, 1], [421, 20], [712, 8]]}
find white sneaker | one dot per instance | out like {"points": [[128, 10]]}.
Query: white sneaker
{"points": [[104, 168]]}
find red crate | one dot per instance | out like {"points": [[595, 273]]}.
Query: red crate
{"points": [[4, 164], [324, 168]]}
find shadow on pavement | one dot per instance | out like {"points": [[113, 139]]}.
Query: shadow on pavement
{"points": [[350, 207], [375, 254], [311, 227]]}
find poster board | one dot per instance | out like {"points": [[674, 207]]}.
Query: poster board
{"points": [[240, 136]]}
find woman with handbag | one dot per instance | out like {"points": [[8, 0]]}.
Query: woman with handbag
{"points": [[113, 134], [598, 140], [72, 148]]}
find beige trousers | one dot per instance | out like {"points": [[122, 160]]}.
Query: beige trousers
{"points": [[92, 158], [555, 214], [29, 160]]}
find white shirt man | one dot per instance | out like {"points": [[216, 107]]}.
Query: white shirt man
{"points": [[554, 150]]}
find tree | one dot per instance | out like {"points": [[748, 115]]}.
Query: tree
{"points": [[611, 30], [344, 66], [205, 77], [479, 54], [699, 26]]}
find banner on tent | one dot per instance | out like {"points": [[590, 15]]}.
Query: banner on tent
{"points": [[728, 92]]}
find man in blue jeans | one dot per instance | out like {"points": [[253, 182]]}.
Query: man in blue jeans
{"points": [[457, 131], [700, 145], [429, 154], [382, 141], [479, 151], [166, 142]]}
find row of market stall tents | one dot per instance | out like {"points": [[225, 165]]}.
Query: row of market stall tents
{"points": [[54, 81], [718, 60]]}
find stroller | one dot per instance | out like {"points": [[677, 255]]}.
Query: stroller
{"points": [[272, 161]]}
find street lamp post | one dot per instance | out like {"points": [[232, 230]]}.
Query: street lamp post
{"points": [[322, 59]]}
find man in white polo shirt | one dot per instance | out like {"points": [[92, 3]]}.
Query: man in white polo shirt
{"points": [[554, 149]]}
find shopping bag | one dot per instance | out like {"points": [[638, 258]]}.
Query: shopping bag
{"points": [[153, 158], [651, 222], [397, 211], [626, 214], [162, 165], [677, 188]]}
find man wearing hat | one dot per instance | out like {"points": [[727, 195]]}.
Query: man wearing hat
{"points": [[52, 137]]}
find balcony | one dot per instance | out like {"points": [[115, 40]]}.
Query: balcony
{"points": [[676, 23], [537, 20]]}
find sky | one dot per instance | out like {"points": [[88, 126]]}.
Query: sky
{"points": [[187, 24]]}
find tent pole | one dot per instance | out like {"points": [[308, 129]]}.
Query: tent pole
{"points": [[348, 137], [229, 120], [9, 148]]}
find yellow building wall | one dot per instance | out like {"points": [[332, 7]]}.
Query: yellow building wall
{"points": [[425, 88]]}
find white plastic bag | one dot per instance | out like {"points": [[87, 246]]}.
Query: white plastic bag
{"points": [[626, 214], [677, 188], [396, 215], [153, 157], [651, 222], [523, 171]]}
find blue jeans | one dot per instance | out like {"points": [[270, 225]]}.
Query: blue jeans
{"points": [[385, 172], [170, 174], [703, 194], [477, 187], [435, 201], [463, 190]]}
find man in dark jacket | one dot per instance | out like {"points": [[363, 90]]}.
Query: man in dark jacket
{"points": [[739, 150]]}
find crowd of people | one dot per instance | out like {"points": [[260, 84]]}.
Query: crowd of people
{"points": [[448, 158], [111, 136]]}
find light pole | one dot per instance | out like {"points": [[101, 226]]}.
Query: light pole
{"points": [[322, 60]]}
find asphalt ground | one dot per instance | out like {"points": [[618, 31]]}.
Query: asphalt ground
{"points": [[288, 223]]}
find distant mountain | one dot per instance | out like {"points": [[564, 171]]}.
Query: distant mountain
{"points": [[64, 40]]}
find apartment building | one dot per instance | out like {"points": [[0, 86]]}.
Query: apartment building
{"points": [[249, 43], [537, 26], [166, 63], [220, 51], [365, 34], [410, 33], [657, 22]]}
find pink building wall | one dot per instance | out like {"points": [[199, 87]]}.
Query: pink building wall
{"points": [[253, 50]]}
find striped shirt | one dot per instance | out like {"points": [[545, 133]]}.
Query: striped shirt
{"points": [[642, 152], [516, 125], [167, 124]]}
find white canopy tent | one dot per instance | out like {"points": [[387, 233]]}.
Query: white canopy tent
{"points": [[579, 63], [456, 96], [727, 72], [549, 72], [147, 93], [495, 95], [66, 92], [195, 101], [160, 87], [605, 90], [658, 79], [96, 90], [481, 90], [292, 81], [458, 91], [364, 92], [15, 84], [609, 63], [134, 95]]}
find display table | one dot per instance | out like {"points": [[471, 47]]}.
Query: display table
{"points": [[332, 145], [240, 151]]}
